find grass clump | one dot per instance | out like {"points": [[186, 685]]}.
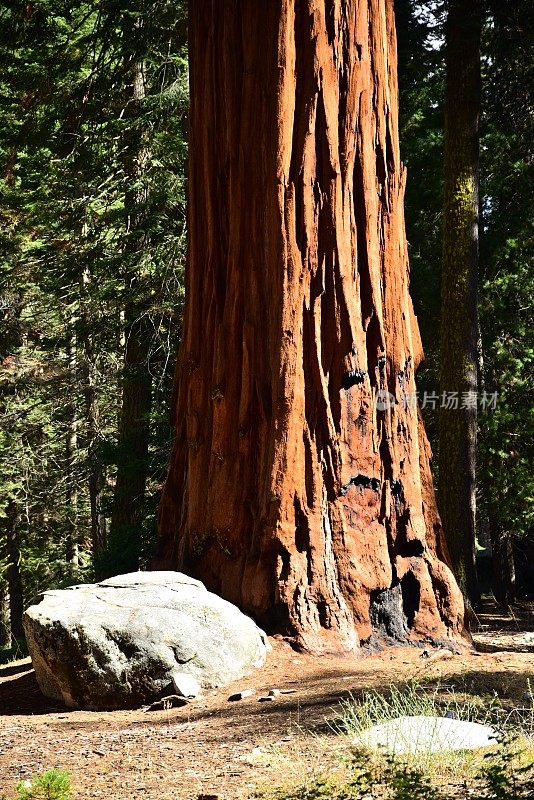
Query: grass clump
{"points": [[411, 700], [508, 774], [18, 650], [371, 777], [514, 724], [373, 708], [504, 771], [54, 784], [368, 777]]}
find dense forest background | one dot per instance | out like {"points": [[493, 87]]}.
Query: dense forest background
{"points": [[93, 182]]}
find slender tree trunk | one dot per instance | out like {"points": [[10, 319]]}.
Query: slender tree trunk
{"points": [[133, 448], [296, 488], [5, 624], [121, 348], [71, 446], [14, 580], [503, 565], [96, 474], [459, 322], [10, 340], [98, 519], [134, 428]]}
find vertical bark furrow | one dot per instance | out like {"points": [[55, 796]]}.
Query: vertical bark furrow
{"points": [[310, 514]]}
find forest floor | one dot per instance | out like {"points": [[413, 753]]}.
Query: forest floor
{"points": [[213, 748]]}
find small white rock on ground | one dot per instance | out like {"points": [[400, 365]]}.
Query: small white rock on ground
{"points": [[185, 685], [241, 695], [421, 734]]}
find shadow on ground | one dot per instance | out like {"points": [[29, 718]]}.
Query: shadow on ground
{"points": [[14, 669], [20, 693]]}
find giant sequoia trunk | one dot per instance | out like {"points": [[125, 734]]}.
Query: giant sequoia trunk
{"points": [[459, 319], [291, 491]]}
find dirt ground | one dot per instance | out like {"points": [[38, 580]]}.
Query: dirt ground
{"points": [[214, 748]]}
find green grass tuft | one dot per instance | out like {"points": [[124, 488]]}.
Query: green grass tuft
{"points": [[371, 777], [54, 784]]}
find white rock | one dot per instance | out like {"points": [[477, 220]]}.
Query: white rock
{"points": [[242, 695], [185, 685], [419, 735], [117, 643]]}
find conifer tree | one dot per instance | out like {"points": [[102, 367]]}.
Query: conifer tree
{"points": [[459, 307]]}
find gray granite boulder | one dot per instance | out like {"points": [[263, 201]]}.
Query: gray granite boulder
{"points": [[120, 642]]}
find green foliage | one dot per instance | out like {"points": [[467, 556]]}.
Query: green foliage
{"points": [[54, 784], [507, 277], [68, 270], [91, 244], [504, 779], [506, 435], [503, 771], [370, 777], [408, 782], [389, 778], [421, 85], [17, 651]]}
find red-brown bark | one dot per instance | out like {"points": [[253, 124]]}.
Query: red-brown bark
{"points": [[289, 492]]}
